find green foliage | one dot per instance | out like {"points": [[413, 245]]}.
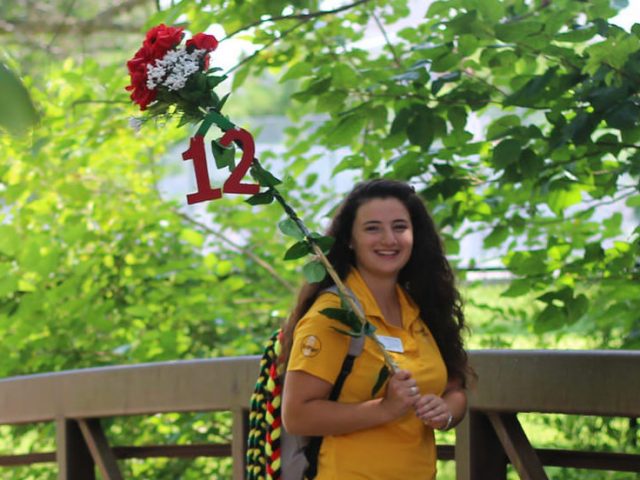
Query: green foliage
{"points": [[558, 136]]}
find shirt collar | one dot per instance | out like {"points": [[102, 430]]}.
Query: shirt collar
{"points": [[356, 283]]}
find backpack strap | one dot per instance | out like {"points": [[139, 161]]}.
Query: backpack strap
{"points": [[356, 345]]}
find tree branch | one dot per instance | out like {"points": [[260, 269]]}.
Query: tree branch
{"points": [[237, 248], [299, 16], [102, 22], [265, 47], [107, 15], [396, 58], [58, 29]]}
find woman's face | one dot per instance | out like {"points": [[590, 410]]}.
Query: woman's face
{"points": [[382, 237]]}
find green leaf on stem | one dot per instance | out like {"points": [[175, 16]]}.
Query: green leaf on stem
{"points": [[264, 177], [344, 316], [346, 332], [290, 228], [314, 271], [224, 156], [263, 198], [383, 375], [324, 242], [369, 329], [222, 101], [297, 250]]}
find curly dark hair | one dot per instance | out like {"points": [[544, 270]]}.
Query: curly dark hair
{"points": [[427, 276]]}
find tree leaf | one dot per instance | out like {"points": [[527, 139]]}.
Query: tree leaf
{"points": [[262, 198], [298, 70], [263, 176], [623, 116], [17, 112], [224, 156], [297, 250], [314, 271], [324, 242], [497, 237], [550, 318], [530, 94], [400, 121], [344, 316], [442, 80], [420, 128], [506, 152], [290, 229], [347, 332]]}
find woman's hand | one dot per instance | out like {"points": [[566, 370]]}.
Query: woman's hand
{"points": [[402, 394], [433, 411]]}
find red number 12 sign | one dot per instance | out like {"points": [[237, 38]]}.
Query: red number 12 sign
{"points": [[233, 184]]}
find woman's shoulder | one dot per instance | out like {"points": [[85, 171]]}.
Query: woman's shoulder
{"points": [[315, 316], [326, 299]]}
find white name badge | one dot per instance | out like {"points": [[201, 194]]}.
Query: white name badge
{"points": [[391, 344]]}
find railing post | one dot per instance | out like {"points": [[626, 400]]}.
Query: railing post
{"points": [[73, 456], [98, 445], [240, 431], [479, 454]]}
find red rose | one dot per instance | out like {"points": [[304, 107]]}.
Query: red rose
{"points": [[137, 66], [161, 39], [202, 41], [142, 95]]}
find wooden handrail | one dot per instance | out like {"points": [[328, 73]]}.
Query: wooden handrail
{"points": [[179, 386], [510, 381]]}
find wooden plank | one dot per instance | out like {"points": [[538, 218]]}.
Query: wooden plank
{"points": [[73, 456], [517, 447], [173, 451], [27, 459], [446, 452], [181, 386], [240, 432], [478, 452], [618, 462], [99, 447], [556, 381], [539, 381]]}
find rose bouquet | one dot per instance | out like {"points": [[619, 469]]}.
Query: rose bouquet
{"points": [[169, 77]]}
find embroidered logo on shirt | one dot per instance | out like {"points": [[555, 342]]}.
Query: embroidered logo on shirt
{"points": [[311, 346]]}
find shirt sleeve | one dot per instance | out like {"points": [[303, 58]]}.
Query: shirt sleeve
{"points": [[318, 349]]}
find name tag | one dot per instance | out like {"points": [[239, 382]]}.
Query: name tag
{"points": [[391, 344]]}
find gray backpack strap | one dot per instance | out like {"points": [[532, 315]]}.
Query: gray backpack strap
{"points": [[357, 343]]}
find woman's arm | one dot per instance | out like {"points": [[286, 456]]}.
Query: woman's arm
{"points": [[306, 409], [446, 411]]}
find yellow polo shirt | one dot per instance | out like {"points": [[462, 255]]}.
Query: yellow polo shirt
{"points": [[402, 449]]}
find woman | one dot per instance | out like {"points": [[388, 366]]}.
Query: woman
{"points": [[389, 254]]}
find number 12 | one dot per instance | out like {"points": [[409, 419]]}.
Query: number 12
{"points": [[233, 184]]}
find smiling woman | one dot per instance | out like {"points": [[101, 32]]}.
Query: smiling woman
{"points": [[390, 255], [381, 239]]}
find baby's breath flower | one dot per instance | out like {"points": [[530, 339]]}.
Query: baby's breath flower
{"points": [[174, 69]]}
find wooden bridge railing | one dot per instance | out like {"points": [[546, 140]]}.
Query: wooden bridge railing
{"points": [[603, 383]]}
